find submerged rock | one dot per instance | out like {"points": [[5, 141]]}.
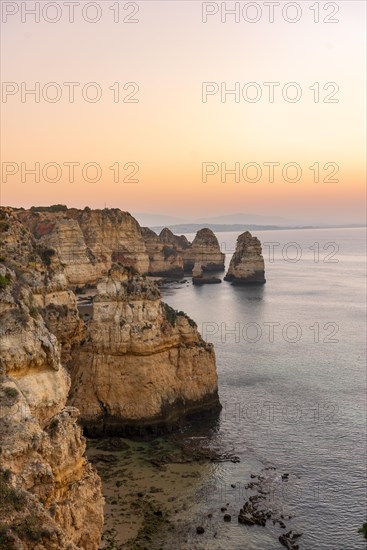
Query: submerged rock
{"points": [[206, 280], [199, 279], [247, 264]]}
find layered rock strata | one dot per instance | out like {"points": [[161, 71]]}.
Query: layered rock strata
{"points": [[205, 250], [143, 366], [129, 333], [87, 242], [137, 366], [50, 495], [164, 259], [247, 263], [181, 242]]}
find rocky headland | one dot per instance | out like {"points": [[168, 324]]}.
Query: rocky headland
{"points": [[247, 265], [87, 344], [132, 366], [88, 242], [143, 367]]}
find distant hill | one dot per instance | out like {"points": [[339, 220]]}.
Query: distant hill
{"points": [[162, 220], [194, 227], [240, 228], [249, 219], [149, 220]]}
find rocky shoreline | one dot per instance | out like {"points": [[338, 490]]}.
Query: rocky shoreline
{"points": [[87, 342], [152, 492], [173, 417]]}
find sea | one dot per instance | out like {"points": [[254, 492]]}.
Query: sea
{"points": [[291, 361]]}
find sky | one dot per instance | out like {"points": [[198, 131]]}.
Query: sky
{"points": [[158, 133]]}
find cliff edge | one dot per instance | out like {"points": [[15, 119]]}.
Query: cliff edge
{"points": [[143, 367]]}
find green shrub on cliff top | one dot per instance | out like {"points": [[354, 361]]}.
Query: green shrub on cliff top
{"points": [[46, 255], [31, 528], [4, 280], [172, 314], [4, 226], [363, 530], [6, 538], [10, 498], [52, 208]]}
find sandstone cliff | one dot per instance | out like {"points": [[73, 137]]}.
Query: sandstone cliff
{"points": [[50, 495], [197, 271], [136, 366], [164, 259], [247, 264], [87, 242], [179, 242], [205, 250], [135, 349], [143, 366]]}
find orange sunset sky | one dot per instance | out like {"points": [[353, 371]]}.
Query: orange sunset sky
{"points": [[170, 132]]}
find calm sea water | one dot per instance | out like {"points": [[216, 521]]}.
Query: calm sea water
{"points": [[292, 382]]}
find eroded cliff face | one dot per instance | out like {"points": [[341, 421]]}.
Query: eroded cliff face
{"points": [[143, 366], [247, 263], [87, 242], [136, 362], [164, 259], [180, 242], [205, 250], [51, 496]]}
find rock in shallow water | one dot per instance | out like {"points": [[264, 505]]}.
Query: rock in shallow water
{"points": [[206, 280]]}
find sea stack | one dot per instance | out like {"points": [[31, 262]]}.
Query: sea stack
{"points": [[247, 265], [206, 250], [180, 242]]}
